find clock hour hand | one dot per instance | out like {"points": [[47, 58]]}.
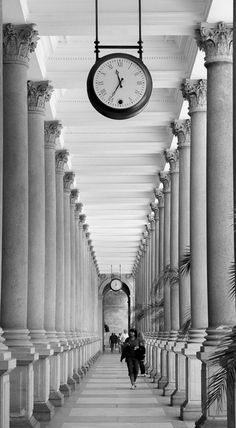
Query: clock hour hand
{"points": [[118, 86]]}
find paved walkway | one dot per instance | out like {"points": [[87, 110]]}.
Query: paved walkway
{"points": [[104, 400]]}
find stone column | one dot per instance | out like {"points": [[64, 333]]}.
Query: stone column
{"points": [[38, 94], [6, 362], [61, 160], [160, 196], [68, 181], [18, 42], [73, 198], [172, 157], [216, 41], [182, 130], [73, 233], [195, 92], [155, 210], [52, 130], [165, 180], [78, 319]]}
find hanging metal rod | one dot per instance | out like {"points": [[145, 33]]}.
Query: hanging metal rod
{"points": [[139, 43]]}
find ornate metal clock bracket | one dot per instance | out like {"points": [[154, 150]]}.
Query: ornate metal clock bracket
{"points": [[139, 45]]}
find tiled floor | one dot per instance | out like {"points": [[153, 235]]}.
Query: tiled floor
{"points": [[104, 400]]}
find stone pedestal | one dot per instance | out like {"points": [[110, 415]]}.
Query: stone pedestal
{"points": [[179, 395], [55, 395]]}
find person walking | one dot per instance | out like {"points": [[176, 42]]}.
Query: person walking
{"points": [[112, 341], [129, 353]]}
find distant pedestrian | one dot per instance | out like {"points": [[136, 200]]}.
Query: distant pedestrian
{"points": [[112, 341]]}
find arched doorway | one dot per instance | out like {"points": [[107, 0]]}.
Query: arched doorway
{"points": [[116, 311]]}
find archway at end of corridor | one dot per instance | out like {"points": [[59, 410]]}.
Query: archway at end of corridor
{"points": [[116, 312]]}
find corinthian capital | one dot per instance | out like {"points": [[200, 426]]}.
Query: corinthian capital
{"points": [[82, 218], [85, 227], [195, 92], [52, 130], [155, 210], [182, 129], [78, 209], [216, 41], [172, 157], [68, 179], [38, 94], [160, 196], [61, 160], [18, 42], [165, 180], [74, 194]]}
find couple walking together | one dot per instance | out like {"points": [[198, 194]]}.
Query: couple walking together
{"points": [[134, 353]]}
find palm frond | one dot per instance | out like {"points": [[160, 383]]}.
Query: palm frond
{"points": [[217, 388], [232, 289], [168, 274], [185, 262], [154, 307], [224, 378]]}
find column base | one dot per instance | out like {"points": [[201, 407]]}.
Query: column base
{"points": [[190, 412], [65, 390], [56, 398], [76, 377], [169, 389], [22, 422], [177, 398], [162, 382], [71, 382], [43, 411], [211, 423]]}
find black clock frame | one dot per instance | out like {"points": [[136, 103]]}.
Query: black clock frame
{"points": [[111, 112]]}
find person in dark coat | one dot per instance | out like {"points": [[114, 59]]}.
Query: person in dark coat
{"points": [[130, 354]]}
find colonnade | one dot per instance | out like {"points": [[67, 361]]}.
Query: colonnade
{"points": [[193, 209], [49, 293]]}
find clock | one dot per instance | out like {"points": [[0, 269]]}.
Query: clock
{"points": [[119, 85], [116, 284]]}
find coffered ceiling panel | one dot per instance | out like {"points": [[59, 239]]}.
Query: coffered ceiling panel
{"points": [[116, 163]]}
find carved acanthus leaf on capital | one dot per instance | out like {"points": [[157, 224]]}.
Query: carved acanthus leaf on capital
{"points": [[160, 196], [61, 160], [182, 130], [155, 210], [52, 131], [74, 194], [82, 218], [68, 180], [38, 94], [78, 207], [165, 180], [216, 41], [172, 157], [18, 42], [195, 92]]}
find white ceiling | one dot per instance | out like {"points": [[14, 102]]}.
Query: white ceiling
{"points": [[116, 162]]}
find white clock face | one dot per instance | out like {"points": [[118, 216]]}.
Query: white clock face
{"points": [[116, 284], [119, 83]]}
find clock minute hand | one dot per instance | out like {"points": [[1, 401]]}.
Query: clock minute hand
{"points": [[120, 79], [118, 86]]}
